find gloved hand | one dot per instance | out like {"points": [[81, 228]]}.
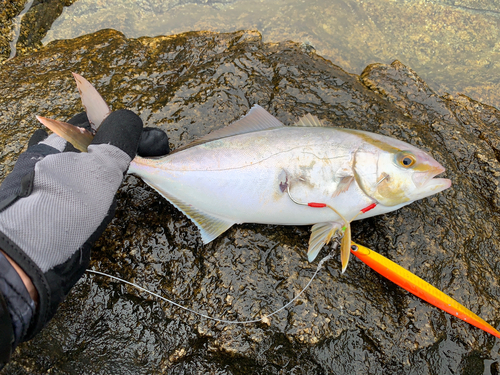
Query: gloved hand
{"points": [[55, 204]]}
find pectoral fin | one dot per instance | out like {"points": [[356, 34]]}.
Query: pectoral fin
{"points": [[321, 234], [343, 185]]}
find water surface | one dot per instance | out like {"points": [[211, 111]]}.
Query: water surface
{"points": [[453, 45]]}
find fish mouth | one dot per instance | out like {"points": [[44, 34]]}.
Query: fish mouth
{"points": [[428, 185]]}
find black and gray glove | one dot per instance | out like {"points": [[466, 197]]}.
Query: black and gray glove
{"points": [[55, 204]]}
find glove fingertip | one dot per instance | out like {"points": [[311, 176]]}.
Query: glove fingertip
{"points": [[153, 142], [81, 120], [38, 136], [121, 129]]}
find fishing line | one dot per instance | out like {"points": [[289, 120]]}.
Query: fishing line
{"points": [[266, 317], [263, 319]]}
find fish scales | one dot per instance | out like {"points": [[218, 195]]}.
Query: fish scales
{"points": [[238, 178]]}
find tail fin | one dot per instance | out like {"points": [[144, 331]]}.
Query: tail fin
{"points": [[95, 106], [78, 137]]}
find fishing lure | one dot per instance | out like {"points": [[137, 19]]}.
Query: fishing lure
{"points": [[415, 285], [404, 278]]}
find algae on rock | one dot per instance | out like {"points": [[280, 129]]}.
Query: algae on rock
{"points": [[34, 24], [192, 83]]}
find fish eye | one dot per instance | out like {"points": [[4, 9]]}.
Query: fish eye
{"points": [[406, 160], [354, 248]]}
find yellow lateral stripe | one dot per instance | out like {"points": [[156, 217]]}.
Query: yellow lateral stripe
{"points": [[415, 285]]}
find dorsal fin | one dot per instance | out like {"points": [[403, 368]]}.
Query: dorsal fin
{"points": [[255, 120], [309, 121]]}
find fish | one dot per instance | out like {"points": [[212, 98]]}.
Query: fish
{"points": [[257, 170]]}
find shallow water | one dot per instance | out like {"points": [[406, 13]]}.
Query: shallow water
{"points": [[453, 45]]}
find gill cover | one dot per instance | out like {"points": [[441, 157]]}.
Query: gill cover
{"points": [[380, 177], [386, 173]]}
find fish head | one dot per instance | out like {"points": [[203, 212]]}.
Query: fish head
{"points": [[393, 172]]}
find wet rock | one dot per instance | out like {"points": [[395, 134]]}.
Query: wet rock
{"points": [[453, 44], [37, 22], [193, 83], [8, 10], [33, 27]]}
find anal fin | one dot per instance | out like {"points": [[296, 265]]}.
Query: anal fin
{"points": [[210, 226]]}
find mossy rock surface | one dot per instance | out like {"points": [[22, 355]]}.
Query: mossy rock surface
{"points": [[35, 23], [355, 323]]}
